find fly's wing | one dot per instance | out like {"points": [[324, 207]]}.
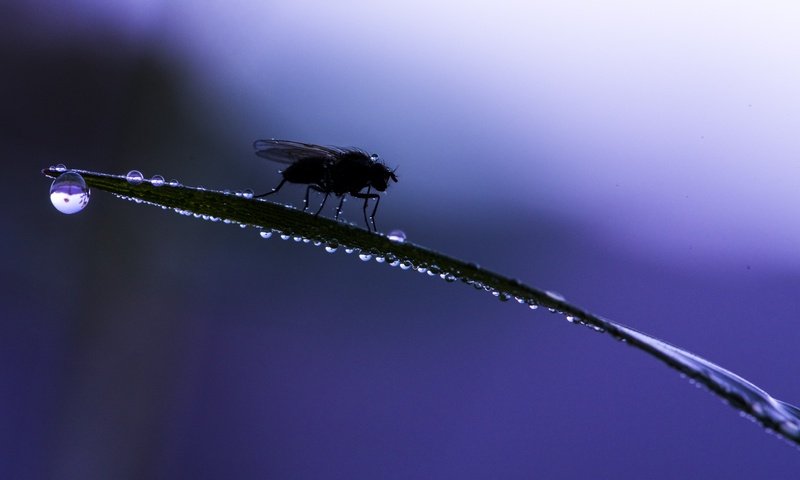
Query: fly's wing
{"points": [[288, 152]]}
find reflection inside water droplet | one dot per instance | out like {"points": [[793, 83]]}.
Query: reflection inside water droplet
{"points": [[69, 193], [398, 236], [134, 177]]}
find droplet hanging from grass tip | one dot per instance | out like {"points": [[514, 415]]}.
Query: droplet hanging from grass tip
{"points": [[69, 193]]}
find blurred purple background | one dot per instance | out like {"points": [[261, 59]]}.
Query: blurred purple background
{"points": [[642, 160]]}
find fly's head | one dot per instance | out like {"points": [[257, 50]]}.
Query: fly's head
{"points": [[380, 175]]}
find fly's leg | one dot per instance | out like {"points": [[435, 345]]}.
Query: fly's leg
{"points": [[339, 208], [366, 197], [274, 190], [324, 199]]}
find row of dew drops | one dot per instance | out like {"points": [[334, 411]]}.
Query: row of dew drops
{"points": [[70, 194]]}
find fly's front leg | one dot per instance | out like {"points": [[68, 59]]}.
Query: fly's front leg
{"points": [[366, 197]]}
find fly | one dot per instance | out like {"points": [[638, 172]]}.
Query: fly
{"points": [[328, 170]]}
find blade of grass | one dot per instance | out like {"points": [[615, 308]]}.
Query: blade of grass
{"points": [[778, 416]]}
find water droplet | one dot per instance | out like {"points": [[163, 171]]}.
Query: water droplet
{"points": [[398, 236], [365, 257], [404, 266], [157, 181], [422, 269], [570, 318], [284, 237], [69, 193], [380, 259], [330, 248], [174, 183], [374, 157], [533, 306], [227, 191], [394, 263], [348, 250], [248, 193], [60, 168], [134, 177], [297, 239], [265, 234]]}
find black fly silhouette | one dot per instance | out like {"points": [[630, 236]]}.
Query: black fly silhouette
{"points": [[329, 170]]}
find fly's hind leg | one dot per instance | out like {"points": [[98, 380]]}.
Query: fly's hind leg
{"points": [[274, 190]]}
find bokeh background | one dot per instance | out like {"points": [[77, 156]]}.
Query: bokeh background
{"points": [[642, 159]]}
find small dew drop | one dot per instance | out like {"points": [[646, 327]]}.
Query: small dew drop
{"points": [[365, 257], [60, 168], [422, 269], [398, 236], [380, 259], [69, 193], [297, 239], [285, 237], [134, 177], [265, 234], [394, 263], [374, 157], [227, 191], [242, 225], [533, 306], [404, 266], [248, 194], [330, 248], [157, 181], [348, 251], [174, 183]]}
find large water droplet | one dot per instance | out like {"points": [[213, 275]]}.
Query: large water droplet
{"points": [[134, 177], [69, 193], [365, 257], [157, 181], [398, 236], [265, 234]]}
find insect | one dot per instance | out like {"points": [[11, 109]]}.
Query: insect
{"points": [[329, 170]]}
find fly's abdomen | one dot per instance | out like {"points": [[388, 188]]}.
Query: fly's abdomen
{"points": [[308, 171]]}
